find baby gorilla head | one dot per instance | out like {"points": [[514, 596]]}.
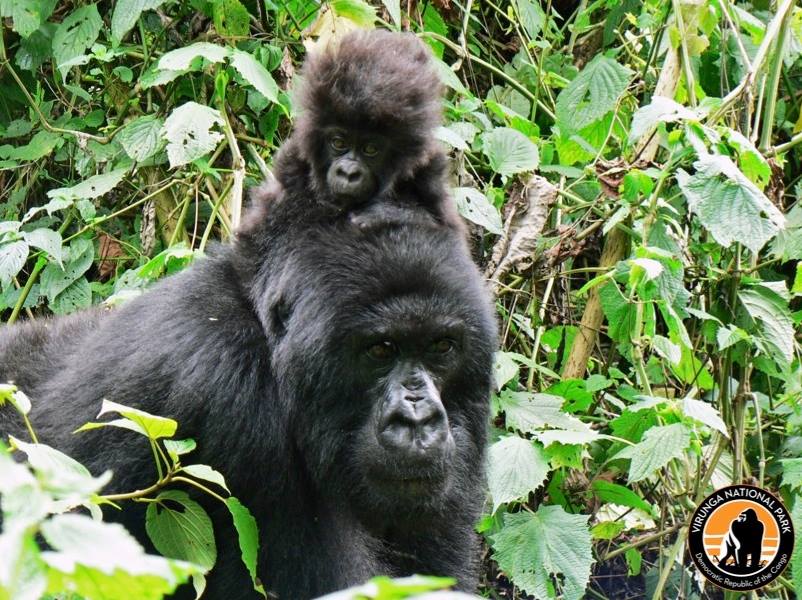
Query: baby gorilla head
{"points": [[368, 110]]}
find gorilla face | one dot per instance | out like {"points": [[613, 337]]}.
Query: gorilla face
{"points": [[353, 163], [393, 370]]}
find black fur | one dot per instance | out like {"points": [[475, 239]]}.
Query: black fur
{"points": [[373, 83], [259, 356]]}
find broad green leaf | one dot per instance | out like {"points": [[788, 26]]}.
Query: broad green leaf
{"points": [[77, 296], [531, 412], [180, 528], [510, 151], [667, 349], [248, 536], [126, 14], [618, 494], [358, 11], [634, 561], [730, 335], [535, 549], [189, 135], [474, 206], [102, 561], [515, 467], [92, 187], [706, 413], [176, 448], [448, 77], [206, 473], [55, 280], [607, 530], [63, 476], [26, 15], [181, 59], [254, 73], [729, 206], [660, 110], [658, 446], [41, 145], [505, 367], [12, 258], [151, 426], [17, 398], [141, 137], [792, 473], [74, 36], [45, 239], [751, 162], [592, 94], [394, 10], [231, 18], [775, 326], [531, 15], [451, 137]]}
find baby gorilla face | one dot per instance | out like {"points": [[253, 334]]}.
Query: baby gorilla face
{"points": [[355, 162]]}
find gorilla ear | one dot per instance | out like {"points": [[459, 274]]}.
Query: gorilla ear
{"points": [[280, 314]]}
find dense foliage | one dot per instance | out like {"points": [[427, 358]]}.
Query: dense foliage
{"points": [[631, 169]]}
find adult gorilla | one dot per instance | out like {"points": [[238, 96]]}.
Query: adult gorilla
{"points": [[340, 383]]}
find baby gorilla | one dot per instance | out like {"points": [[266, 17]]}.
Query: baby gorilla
{"points": [[363, 145]]}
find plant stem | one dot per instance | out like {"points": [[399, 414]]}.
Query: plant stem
{"points": [[773, 86]]}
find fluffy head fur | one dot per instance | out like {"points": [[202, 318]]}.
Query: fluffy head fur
{"points": [[376, 81]]}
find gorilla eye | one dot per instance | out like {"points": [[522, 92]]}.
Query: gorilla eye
{"points": [[370, 149], [338, 143], [442, 346], [384, 350]]}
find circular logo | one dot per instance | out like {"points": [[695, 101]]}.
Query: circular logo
{"points": [[741, 537]]}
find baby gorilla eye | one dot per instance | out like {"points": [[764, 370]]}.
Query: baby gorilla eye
{"points": [[442, 346], [370, 149], [384, 350], [338, 143]]}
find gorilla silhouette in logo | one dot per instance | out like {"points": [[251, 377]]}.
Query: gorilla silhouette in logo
{"points": [[743, 542]]}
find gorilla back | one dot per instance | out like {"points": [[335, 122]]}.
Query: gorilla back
{"points": [[340, 383]]}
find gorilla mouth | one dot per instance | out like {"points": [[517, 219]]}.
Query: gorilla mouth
{"points": [[409, 484]]}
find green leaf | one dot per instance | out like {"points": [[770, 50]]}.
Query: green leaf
{"points": [[254, 73], [12, 258], [55, 280], [774, 324], [592, 94], [515, 467], [248, 536], [634, 561], [530, 412], [17, 399], [607, 530], [448, 77], [474, 206], [93, 187], [102, 561], [358, 11], [126, 14], [184, 532], [176, 448], [206, 473], [660, 110], [61, 475], [510, 151], [618, 494], [151, 426], [77, 296], [231, 18], [45, 239], [181, 59], [535, 549], [74, 35], [728, 205], [667, 349], [532, 17], [706, 413], [792, 473], [730, 335], [188, 132], [658, 447], [41, 145], [27, 15], [141, 137], [505, 368]]}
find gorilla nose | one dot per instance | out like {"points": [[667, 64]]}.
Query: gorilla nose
{"points": [[349, 172], [415, 425]]}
